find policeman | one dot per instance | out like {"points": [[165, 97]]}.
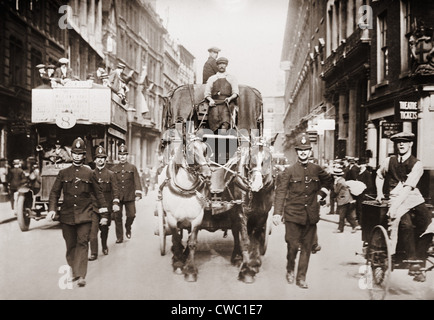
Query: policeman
{"points": [[77, 183], [297, 197], [107, 180], [130, 190]]}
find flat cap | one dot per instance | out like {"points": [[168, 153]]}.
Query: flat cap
{"points": [[403, 136], [214, 49], [337, 172], [63, 61], [50, 66], [40, 66], [222, 60]]}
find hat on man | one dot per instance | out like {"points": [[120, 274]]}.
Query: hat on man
{"points": [[350, 159], [16, 162], [214, 49], [403, 136], [78, 146], [222, 60], [50, 66], [40, 66], [337, 172], [100, 152], [302, 143], [123, 149], [63, 61], [121, 65]]}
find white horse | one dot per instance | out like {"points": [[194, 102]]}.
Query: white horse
{"points": [[183, 196]]}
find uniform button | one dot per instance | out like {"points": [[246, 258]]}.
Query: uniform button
{"points": [[122, 187], [75, 195], [305, 205], [306, 195], [75, 187], [75, 205], [306, 186], [123, 180]]}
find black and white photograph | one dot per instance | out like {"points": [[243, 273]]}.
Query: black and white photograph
{"points": [[218, 157]]}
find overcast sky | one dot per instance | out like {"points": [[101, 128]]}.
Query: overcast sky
{"points": [[248, 32]]}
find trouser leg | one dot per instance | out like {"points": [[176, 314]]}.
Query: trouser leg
{"points": [[421, 221], [118, 223], [351, 214], [341, 212], [292, 238], [307, 238], [130, 209], [70, 235], [104, 233], [94, 234], [82, 249], [406, 233]]}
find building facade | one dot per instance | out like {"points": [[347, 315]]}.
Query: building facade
{"points": [[359, 71]]}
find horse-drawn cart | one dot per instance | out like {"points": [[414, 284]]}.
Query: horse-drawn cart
{"points": [[213, 180], [383, 254]]}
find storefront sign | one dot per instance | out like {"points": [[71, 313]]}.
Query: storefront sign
{"points": [[388, 129], [406, 111]]}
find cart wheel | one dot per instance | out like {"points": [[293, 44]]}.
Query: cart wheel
{"points": [[379, 263], [161, 228], [22, 213], [268, 228]]}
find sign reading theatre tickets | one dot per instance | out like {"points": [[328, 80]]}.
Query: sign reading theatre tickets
{"points": [[406, 111], [68, 105]]}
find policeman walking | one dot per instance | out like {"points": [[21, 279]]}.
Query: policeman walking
{"points": [[77, 183], [297, 197], [130, 190], [107, 180]]}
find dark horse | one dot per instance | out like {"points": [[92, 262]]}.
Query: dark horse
{"points": [[183, 196], [254, 186]]}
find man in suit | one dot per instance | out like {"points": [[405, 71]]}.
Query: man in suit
{"points": [[78, 183], [107, 180], [130, 191], [210, 67], [15, 178]]}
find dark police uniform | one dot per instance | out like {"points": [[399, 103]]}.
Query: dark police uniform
{"points": [[77, 183], [296, 199], [130, 187], [107, 180]]}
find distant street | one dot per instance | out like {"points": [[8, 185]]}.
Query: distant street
{"points": [[135, 269]]}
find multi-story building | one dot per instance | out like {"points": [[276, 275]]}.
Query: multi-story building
{"points": [[186, 71], [133, 35], [375, 60], [303, 55], [29, 35], [171, 64], [401, 80]]}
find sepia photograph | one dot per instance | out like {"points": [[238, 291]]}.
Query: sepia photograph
{"points": [[216, 157]]}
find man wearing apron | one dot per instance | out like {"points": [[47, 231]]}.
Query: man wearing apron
{"points": [[221, 91]]}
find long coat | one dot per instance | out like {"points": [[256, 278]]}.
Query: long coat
{"points": [[78, 183], [297, 191], [128, 180]]}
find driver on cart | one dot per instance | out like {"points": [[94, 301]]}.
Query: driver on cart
{"points": [[58, 154], [407, 210]]}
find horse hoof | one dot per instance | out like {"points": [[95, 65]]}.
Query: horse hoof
{"points": [[247, 278], [190, 277], [178, 271]]}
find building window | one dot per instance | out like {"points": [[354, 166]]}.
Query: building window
{"points": [[17, 62], [36, 58], [404, 34], [382, 49]]}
